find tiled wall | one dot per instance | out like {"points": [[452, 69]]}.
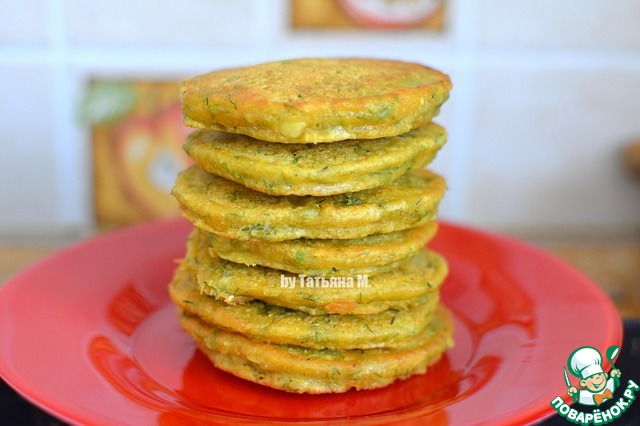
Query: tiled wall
{"points": [[546, 94]]}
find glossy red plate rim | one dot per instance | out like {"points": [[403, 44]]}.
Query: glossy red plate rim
{"points": [[82, 335]]}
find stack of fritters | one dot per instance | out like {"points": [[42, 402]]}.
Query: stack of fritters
{"points": [[306, 270]]}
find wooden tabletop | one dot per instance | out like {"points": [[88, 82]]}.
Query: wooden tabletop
{"points": [[615, 267], [14, 259]]}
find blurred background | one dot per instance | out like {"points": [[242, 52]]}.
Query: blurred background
{"points": [[543, 120]]}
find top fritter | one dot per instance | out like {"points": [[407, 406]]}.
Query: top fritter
{"points": [[315, 100]]}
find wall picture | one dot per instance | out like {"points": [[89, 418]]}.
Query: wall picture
{"points": [[137, 136], [367, 14]]}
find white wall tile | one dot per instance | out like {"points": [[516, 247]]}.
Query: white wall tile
{"points": [[160, 23], [23, 21], [559, 24], [27, 171], [547, 148], [450, 161]]}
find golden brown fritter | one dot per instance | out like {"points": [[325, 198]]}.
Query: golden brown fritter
{"points": [[410, 284], [315, 100], [306, 169], [370, 255], [303, 370], [270, 323], [232, 210]]}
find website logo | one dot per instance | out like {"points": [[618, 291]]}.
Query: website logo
{"points": [[594, 387]]}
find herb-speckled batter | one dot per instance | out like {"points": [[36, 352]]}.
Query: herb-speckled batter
{"points": [[315, 100], [306, 169], [229, 209]]}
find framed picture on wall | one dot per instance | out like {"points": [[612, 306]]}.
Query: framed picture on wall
{"points": [[136, 139], [367, 14]]}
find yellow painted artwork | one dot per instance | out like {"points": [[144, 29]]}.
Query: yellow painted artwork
{"points": [[368, 14], [137, 136]]}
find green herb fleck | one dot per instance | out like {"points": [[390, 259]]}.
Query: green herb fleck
{"points": [[232, 102], [360, 148], [257, 227], [348, 199], [385, 111]]}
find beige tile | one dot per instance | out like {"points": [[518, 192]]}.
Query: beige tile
{"points": [[23, 21], [159, 23], [450, 159], [546, 149], [559, 24]]}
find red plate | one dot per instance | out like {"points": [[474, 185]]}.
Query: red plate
{"points": [[90, 336]]}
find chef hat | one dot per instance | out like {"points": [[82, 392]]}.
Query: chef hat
{"points": [[585, 361]]}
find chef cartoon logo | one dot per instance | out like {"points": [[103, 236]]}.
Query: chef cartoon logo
{"points": [[585, 363], [594, 387]]}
